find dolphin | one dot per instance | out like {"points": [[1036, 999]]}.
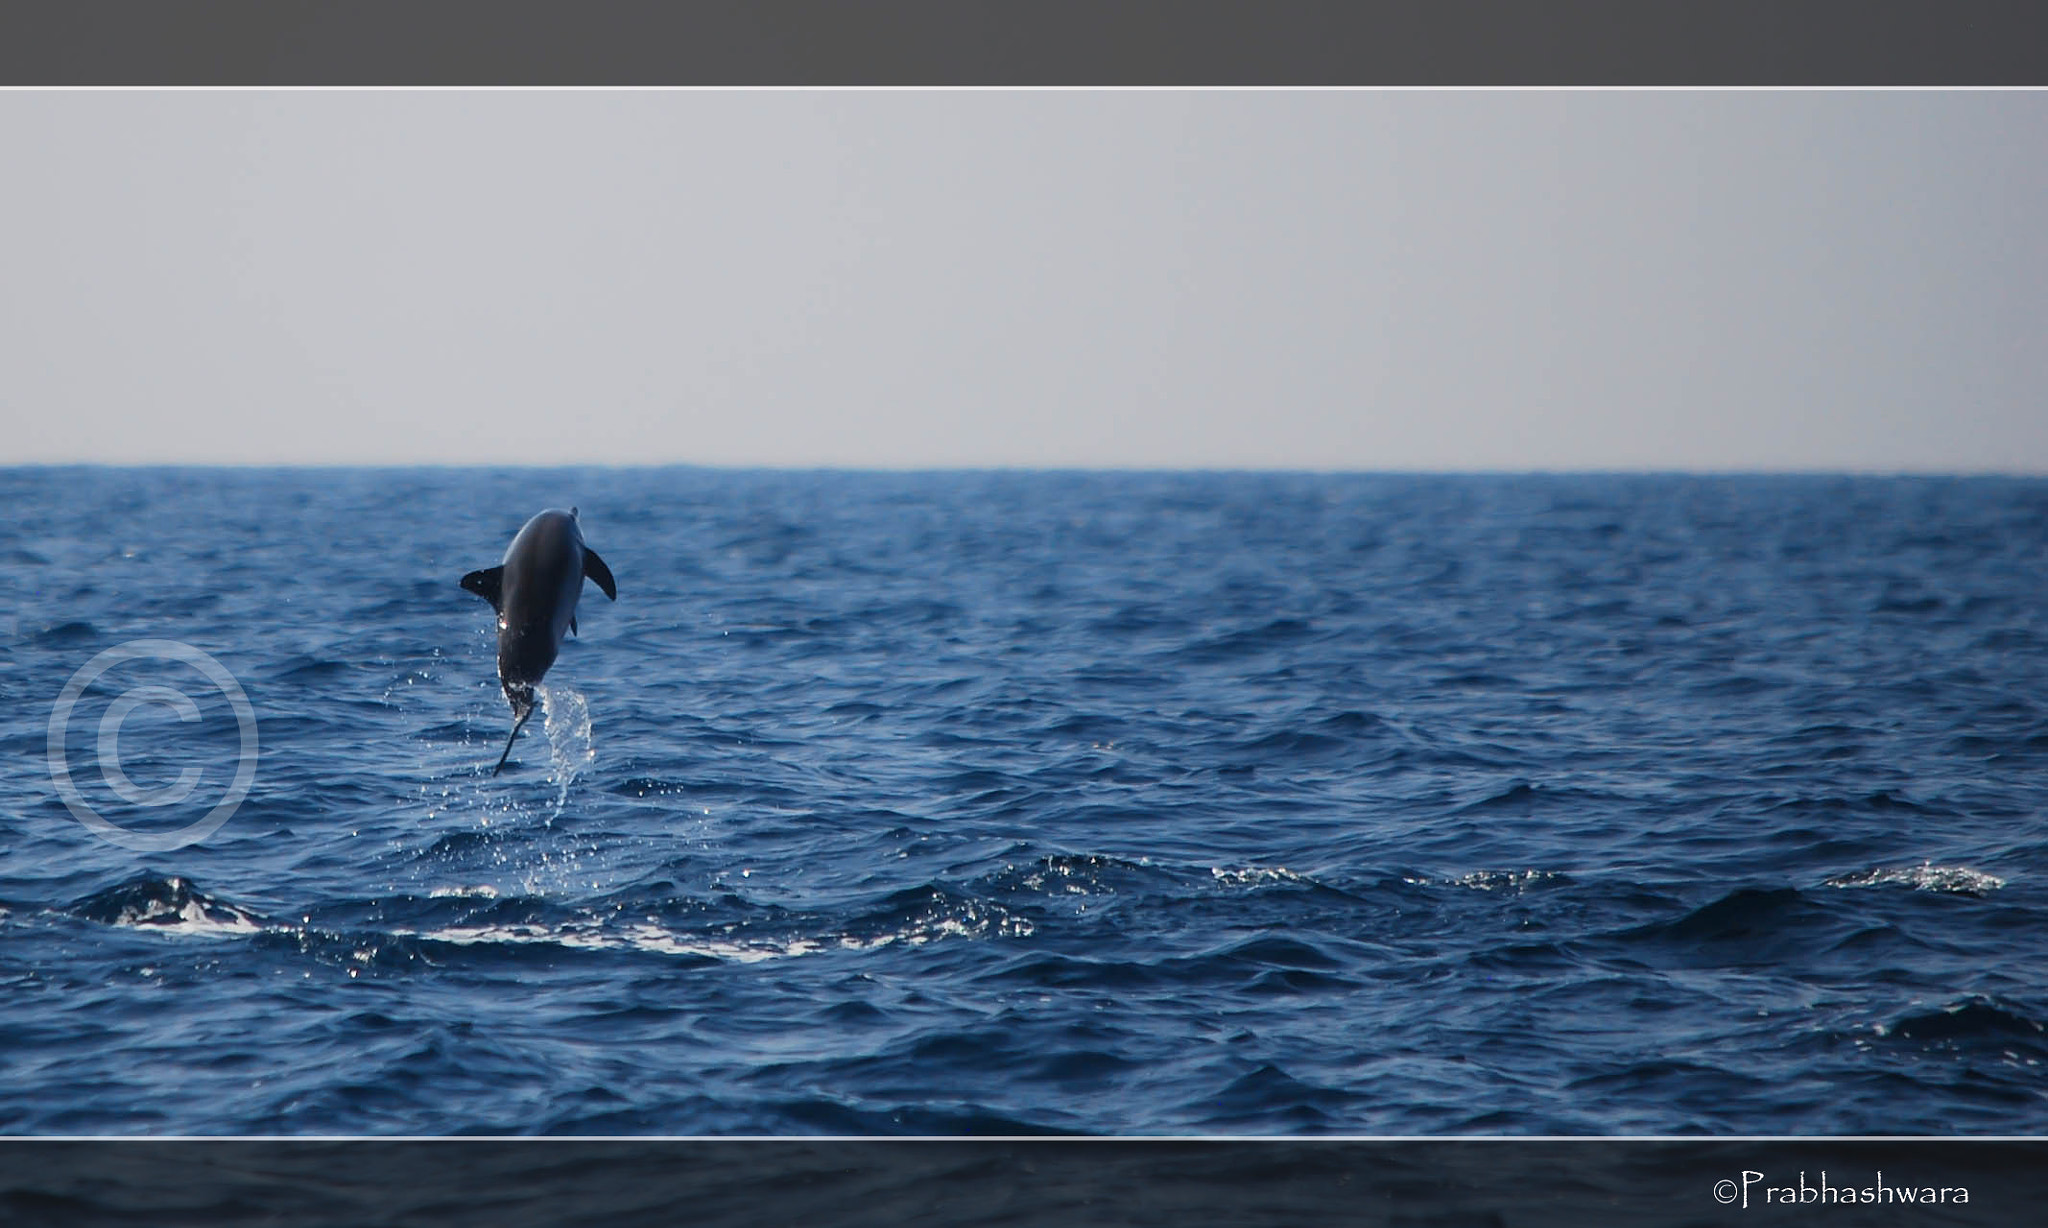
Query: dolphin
{"points": [[534, 592]]}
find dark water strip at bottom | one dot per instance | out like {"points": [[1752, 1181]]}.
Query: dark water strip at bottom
{"points": [[510, 1183]]}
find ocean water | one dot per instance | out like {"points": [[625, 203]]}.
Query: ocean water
{"points": [[1032, 802]]}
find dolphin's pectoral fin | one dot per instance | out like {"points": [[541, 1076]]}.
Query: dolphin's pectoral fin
{"points": [[572, 624], [487, 584], [594, 569]]}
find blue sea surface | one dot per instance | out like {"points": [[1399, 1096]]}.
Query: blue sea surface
{"points": [[941, 803]]}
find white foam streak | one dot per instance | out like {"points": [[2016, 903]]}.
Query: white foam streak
{"points": [[193, 918], [652, 939], [1255, 876], [1955, 880]]}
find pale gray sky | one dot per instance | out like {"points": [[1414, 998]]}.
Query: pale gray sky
{"points": [[1321, 280]]}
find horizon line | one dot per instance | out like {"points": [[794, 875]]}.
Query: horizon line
{"points": [[1106, 469]]}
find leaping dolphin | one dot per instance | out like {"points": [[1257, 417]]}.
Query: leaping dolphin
{"points": [[534, 592]]}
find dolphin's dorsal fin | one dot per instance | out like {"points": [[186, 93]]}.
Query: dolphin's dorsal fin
{"points": [[594, 569], [487, 584]]}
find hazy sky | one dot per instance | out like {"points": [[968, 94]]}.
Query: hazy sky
{"points": [[1323, 280]]}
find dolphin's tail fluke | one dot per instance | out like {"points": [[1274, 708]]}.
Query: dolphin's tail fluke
{"points": [[516, 727]]}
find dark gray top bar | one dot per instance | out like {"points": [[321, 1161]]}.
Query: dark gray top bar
{"points": [[1023, 42]]}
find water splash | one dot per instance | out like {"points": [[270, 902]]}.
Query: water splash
{"points": [[566, 716], [504, 826]]}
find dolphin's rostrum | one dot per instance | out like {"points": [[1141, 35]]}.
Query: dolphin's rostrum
{"points": [[534, 592]]}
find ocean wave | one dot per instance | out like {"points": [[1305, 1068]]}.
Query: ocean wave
{"points": [[1113, 802], [167, 904], [1968, 1021]]}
